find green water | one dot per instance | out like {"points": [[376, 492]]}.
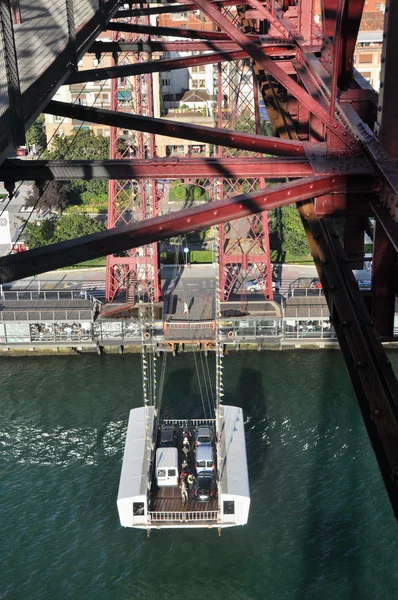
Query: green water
{"points": [[320, 524]]}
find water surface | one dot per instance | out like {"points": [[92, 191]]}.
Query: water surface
{"points": [[320, 523]]}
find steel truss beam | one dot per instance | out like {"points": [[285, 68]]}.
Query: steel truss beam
{"points": [[287, 82], [211, 135], [118, 239], [194, 34], [156, 66], [159, 10], [160, 168], [186, 46]]}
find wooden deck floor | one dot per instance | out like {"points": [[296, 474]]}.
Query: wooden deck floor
{"points": [[169, 499]]}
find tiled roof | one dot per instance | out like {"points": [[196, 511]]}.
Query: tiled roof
{"points": [[372, 21]]}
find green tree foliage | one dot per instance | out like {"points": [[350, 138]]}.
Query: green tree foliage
{"points": [[60, 228], [287, 232], [39, 234], [82, 146], [36, 134], [294, 238], [55, 196]]}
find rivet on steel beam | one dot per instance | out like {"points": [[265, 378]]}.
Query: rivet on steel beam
{"points": [[334, 288], [189, 220], [360, 364], [160, 227], [215, 212], [376, 412], [324, 261], [345, 324]]}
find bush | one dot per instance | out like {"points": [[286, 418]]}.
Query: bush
{"points": [[194, 257], [201, 256], [186, 193]]}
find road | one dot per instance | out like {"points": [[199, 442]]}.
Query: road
{"points": [[197, 280]]}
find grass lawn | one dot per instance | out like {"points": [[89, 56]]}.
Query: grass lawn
{"points": [[96, 262], [288, 257]]}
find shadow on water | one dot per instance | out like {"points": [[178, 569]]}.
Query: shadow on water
{"points": [[181, 397], [330, 545], [250, 396]]}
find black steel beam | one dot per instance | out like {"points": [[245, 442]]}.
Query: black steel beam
{"points": [[10, 59], [160, 168], [174, 129]]}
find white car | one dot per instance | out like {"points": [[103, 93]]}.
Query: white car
{"points": [[256, 285]]}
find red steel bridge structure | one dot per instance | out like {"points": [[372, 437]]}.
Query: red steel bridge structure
{"points": [[334, 142]]}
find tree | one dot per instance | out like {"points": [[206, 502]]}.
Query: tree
{"points": [[39, 234], [294, 238], [55, 196], [60, 228], [36, 136], [75, 224], [84, 145]]}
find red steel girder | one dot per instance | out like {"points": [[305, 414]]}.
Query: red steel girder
{"points": [[170, 9], [118, 239], [194, 34], [156, 66], [211, 135], [98, 47], [159, 168], [269, 66]]}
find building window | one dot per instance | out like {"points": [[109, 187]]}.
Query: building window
{"points": [[58, 119], [166, 81], [95, 62], [182, 16], [107, 133], [199, 69], [202, 83], [195, 83], [105, 98], [365, 58], [100, 131], [80, 63]]}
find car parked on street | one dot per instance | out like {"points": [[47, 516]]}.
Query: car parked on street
{"points": [[257, 285]]}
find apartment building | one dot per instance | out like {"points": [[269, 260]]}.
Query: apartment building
{"points": [[367, 58]]}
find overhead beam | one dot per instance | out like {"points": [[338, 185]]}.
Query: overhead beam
{"points": [[111, 241], [194, 34], [159, 66], [174, 129], [98, 47], [159, 10], [160, 168], [285, 80]]}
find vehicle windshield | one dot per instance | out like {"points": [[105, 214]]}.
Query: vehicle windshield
{"points": [[204, 483]]}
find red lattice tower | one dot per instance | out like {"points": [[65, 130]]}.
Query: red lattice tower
{"points": [[135, 274], [244, 251]]}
